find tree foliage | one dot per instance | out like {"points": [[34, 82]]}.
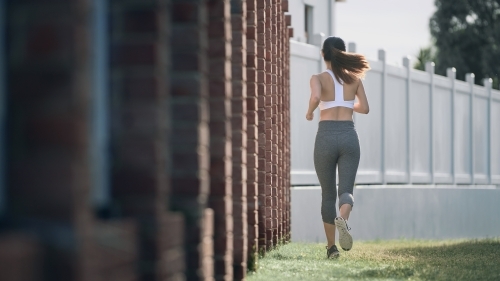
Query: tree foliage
{"points": [[424, 55], [466, 35]]}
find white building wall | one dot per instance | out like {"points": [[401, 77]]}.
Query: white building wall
{"points": [[323, 17]]}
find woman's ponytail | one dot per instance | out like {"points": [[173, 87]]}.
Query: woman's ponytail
{"points": [[347, 67]]}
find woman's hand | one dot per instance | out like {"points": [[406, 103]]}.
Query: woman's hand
{"points": [[309, 116]]}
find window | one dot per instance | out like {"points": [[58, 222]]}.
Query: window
{"points": [[308, 23]]}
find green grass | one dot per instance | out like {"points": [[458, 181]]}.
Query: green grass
{"points": [[384, 260]]}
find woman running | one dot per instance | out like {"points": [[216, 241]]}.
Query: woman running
{"points": [[335, 91]]}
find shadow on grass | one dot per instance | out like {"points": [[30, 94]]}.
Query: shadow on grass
{"points": [[398, 272], [468, 260]]}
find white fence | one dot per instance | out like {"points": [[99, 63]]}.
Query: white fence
{"points": [[422, 128]]}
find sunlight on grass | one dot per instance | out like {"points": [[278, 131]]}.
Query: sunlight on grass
{"points": [[385, 260]]}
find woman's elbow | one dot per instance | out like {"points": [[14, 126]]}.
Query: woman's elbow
{"points": [[315, 99], [363, 109]]}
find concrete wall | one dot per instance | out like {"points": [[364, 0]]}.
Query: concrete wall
{"points": [[409, 211]]}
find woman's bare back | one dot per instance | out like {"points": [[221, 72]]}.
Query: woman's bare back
{"points": [[328, 94]]}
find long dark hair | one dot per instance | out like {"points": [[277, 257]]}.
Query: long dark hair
{"points": [[347, 67]]}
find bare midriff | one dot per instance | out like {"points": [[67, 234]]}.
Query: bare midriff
{"points": [[328, 94], [337, 114]]}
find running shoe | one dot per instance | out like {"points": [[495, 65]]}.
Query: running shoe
{"points": [[345, 238], [332, 253]]}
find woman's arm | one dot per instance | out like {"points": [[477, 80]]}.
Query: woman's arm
{"points": [[362, 105], [315, 96]]}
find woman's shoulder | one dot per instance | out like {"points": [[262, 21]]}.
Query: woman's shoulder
{"points": [[356, 81], [317, 76], [320, 76]]}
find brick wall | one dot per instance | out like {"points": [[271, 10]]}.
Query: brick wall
{"points": [[199, 149]]}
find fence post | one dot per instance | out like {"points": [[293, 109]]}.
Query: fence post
{"points": [[429, 68], [317, 40], [406, 64], [469, 78], [451, 73], [351, 47], [383, 58], [487, 82]]}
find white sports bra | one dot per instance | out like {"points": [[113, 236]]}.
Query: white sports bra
{"points": [[339, 96]]}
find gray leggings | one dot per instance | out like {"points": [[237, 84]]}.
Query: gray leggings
{"points": [[336, 143]]}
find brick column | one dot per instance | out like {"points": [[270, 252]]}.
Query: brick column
{"points": [[49, 89], [274, 127], [284, 40], [190, 134], [220, 92], [171, 263], [239, 136], [268, 124], [139, 88], [279, 116], [261, 114], [252, 135], [286, 118], [288, 35]]}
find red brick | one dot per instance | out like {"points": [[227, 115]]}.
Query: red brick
{"points": [[252, 117], [252, 104], [251, 32], [252, 174], [284, 5]]}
